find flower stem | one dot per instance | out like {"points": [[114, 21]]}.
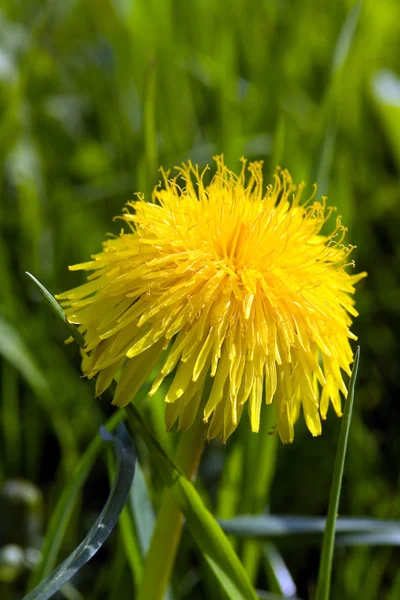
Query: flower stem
{"points": [[164, 544]]}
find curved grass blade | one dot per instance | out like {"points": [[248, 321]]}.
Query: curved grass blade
{"points": [[232, 591], [212, 541], [64, 508], [266, 527], [58, 311], [103, 525], [206, 532], [279, 577], [325, 569], [128, 537]]}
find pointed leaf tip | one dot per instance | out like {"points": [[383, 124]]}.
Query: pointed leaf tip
{"points": [[58, 311]]}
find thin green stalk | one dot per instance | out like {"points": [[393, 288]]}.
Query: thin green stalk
{"points": [[325, 567], [164, 544], [229, 489], [263, 463]]}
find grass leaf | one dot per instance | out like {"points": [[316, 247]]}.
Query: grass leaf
{"points": [[58, 311], [264, 527], [103, 525], [62, 512], [325, 569], [206, 532]]}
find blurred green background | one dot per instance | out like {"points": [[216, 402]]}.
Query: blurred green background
{"points": [[94, 96]]}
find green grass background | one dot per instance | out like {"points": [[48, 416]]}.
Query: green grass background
{"points": [[94, 96]]}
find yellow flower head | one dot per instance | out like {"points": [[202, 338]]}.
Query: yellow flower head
{"points": [[229, 283]]}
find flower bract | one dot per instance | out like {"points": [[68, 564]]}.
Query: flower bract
{"points": [[240, 294]]}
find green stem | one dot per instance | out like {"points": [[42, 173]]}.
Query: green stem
{"points": [[164, 544], [325, 567], [263, 450]]}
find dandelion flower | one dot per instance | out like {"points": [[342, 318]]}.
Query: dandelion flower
{"points": [[231, 287]]}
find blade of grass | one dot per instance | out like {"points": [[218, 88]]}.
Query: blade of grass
{"points": [[230, 485], [264, 527], [129, 537], [168, 527], [342, 50], [205, 530], [131, 546], [279, 577], [62, 512], [60, 520], [262, 460], [379, 538], [325, 570], [103, 525], [142, 510], [58, 311]]}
